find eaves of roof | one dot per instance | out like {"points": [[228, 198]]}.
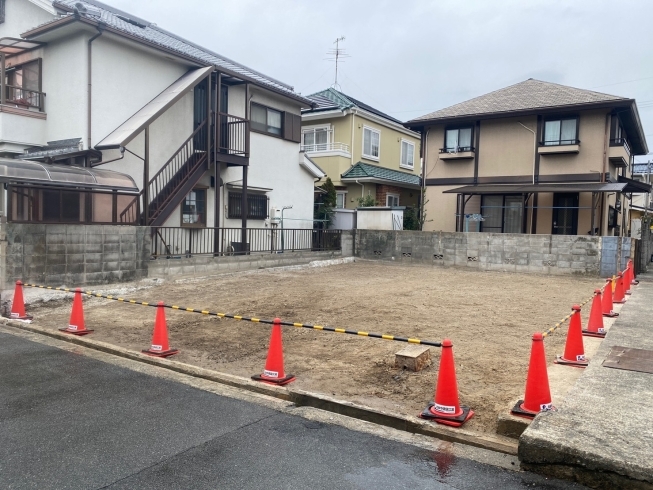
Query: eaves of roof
{"points": [[102, 26], [421, 123], [634, 126]]}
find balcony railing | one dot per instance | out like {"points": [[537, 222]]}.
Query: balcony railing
{"points": [[233, 135], [621, 142], [457, 149], [29, 99], [326, 147], [168, 242]]}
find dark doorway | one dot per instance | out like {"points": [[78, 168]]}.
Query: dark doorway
{"points": [[565, 214], [200, 113]]}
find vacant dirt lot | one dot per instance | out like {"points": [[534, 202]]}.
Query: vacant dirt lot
{"points": [[489, 317]]}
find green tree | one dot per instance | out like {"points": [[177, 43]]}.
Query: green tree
{"points": [[325, 204], [411, 219]]}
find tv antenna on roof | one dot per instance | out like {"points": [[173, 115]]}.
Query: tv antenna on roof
{"points": [[336, 55]]}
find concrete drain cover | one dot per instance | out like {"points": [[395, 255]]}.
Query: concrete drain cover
{"points": [[628, 359]]}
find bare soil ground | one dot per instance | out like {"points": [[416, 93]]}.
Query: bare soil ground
{"points": [[489, 316]]}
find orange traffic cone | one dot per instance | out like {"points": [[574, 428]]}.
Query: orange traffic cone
{"points": [[619, 296], [628, 280], [76, 324], [607, 307], [634, 281], [595, 327], [274, 372], [160, 346], [446, 408], [18, 305], [574, 352], [537, 397]]}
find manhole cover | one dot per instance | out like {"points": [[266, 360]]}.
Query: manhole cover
{"points": [[640, 360]]}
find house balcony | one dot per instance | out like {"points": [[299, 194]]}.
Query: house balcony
{"points": [[458, 153], [558, 147], [327, 149], [619, 152], [20, 129], [233, 138]]}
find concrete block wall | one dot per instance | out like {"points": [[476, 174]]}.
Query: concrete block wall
{"points": [[202, 265], [73, 255], [545, 254], [347, 242]]}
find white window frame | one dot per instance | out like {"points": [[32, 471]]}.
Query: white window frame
{"points": [[312, 129], [391, 195], [410, 166], [344, 199], [371, 157]]}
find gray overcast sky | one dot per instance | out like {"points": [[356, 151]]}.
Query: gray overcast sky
{"points": [[411, 57]]}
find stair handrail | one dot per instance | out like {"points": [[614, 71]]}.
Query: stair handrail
{"points": [[164, 168]]}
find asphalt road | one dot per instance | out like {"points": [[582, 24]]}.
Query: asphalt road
{"points": [[71, 422]]}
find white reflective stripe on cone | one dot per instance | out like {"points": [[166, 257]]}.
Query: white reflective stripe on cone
{"points": [[444, 408]]}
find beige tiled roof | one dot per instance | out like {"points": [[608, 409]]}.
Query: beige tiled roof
{"points": [[530, 94]]}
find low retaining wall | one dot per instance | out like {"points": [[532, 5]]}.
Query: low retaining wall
{"points": [[72, 255], [206, 265], [547, 254], [80, 255]]}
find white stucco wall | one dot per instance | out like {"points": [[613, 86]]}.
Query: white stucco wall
{"points": [[23, 15], [378, 218], [274, 164], [19, 132], [126, 78], [64, 82]]}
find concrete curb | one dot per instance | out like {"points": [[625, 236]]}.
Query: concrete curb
{"points": [[300, 398]]}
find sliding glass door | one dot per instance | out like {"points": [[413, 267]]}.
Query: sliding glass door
{"points": [[502, 213]]}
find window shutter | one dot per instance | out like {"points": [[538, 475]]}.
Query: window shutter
{"points": [[292, 127], [287, 126], [297, 128]]}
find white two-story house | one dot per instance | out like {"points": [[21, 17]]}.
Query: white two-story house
{"points": [[108, 118]]}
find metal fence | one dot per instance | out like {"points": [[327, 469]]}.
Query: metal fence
{"points": [[177, 242]]}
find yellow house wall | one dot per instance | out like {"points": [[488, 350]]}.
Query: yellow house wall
{"points": [[390, 146], [390, 155]]}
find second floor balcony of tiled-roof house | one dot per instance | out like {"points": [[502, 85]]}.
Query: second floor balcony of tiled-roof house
{"points": [[320, 142]]}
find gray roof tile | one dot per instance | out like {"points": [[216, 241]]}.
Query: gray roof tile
{"points": [[526, 95], [332, 98], [149, 32]]}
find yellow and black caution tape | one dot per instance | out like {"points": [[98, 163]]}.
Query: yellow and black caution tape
{"points": [[561, 322], [323, 328]]}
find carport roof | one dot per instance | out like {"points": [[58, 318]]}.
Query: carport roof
{"points": [[536, 188]]}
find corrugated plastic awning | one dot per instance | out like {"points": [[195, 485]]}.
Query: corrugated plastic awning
{"points": [[536, 188], [128, 130], [24, 172], [10, 45]]}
